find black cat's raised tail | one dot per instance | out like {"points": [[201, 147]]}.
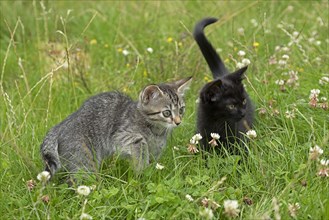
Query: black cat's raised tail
{"points": [[215, 63]]}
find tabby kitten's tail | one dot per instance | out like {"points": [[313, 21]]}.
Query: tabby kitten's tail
{"points": [[214, 61]]}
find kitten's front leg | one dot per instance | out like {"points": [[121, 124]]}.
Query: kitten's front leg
{"points": [[139, 154]]}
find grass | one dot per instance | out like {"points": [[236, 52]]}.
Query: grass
{"points": [[39, 89]]}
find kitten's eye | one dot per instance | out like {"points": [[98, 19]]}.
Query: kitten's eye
{"points": [[181, 110], [244, 101], [231, 107], [166, 113]]}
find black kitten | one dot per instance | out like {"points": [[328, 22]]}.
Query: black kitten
{"points": [[224, 107]]}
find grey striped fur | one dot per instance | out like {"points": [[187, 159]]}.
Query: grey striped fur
{"points": [[111, 123]]}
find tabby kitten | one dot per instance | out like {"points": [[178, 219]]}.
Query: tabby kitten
{"points": [[111, 123], [224, 107]]}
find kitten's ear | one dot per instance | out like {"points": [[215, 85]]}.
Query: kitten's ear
{"points": [[150, 92], [211, 92], [239, 75], [182, 85]]}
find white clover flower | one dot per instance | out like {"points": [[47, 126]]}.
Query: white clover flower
{"points": [[245, 61], [215, 136], [315, 152], [83, 190], [241, 53], [197, 137], [324, 162], [295, 34], [85, 216], [254, 22], [239, 65], [324, 80], [290, 114], [44, 176], [207, 213], [285, 49], [125, 52], [293, 209], [150, 49], [323, 99], [285, 56], [315, 92], [193, 141], [192, 149], [159, 166], [311, 39], [231, 208], [251, 134], [241, 31], [279, 82], [290, 8], [282, 62], [189, 198]]}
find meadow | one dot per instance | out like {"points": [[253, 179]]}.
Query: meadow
{"points": [[56, 54]]}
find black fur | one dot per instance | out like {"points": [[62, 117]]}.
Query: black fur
{"points": [[225, 107]]}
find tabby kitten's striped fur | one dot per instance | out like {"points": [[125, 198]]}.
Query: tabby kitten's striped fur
{"points": [[111, 123]]}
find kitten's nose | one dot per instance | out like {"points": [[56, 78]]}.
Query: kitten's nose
{"points": [[177, 120]]}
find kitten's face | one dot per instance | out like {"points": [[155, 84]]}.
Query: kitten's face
{"points": [[226, 96], [164, 104]]}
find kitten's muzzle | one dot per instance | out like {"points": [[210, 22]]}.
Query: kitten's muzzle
{"points": [[177, 120]]}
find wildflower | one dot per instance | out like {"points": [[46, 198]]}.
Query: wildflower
{"points": [[93, 42], [262, 111], [282, 62], [239, 65], [246, 61], [169, 39], [315, 92], [255, 44], [176, 148], [324, 80], [241, 31], [324, 162], [254, 22], [318, 43], [324, 168], [315, 152], [85, 216], [125, 52], [324, 105], [285, 57], [83, 190], [215, 137], [285, 49], [159, 166], [293, 209], [44, 176], [231, 208], [45, 198], [197, 137], [251, 134], [192, 149], [189, 198], [149, 49], [206, 213], [272, 60], [290, 114], [30, 184], [241, 53]]}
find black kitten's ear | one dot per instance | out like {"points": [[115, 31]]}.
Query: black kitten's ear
{"points": [[210, 92], [239, 74], [149, 93]]}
